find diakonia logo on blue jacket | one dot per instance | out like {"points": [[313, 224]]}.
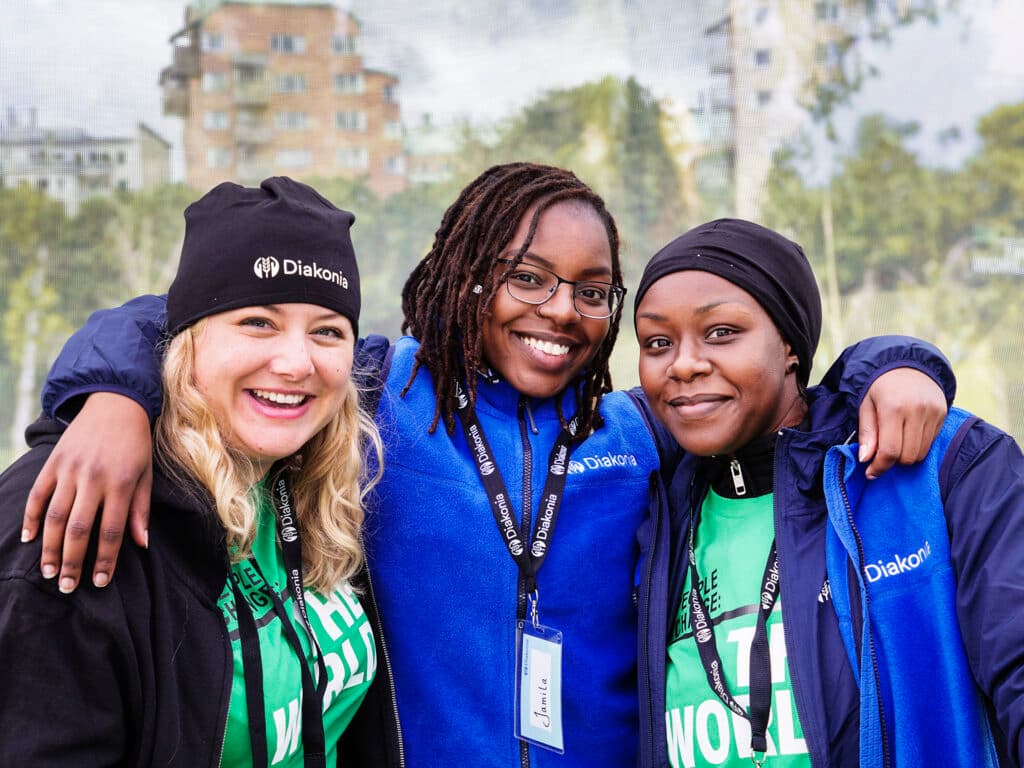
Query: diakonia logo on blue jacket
{"points": [[583, 463], [267, 267], [899, 564]]}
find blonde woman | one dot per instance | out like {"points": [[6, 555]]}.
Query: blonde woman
{"points": [[236, 638]]}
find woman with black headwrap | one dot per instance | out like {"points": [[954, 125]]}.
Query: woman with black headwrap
{"points": [[792, 608]]}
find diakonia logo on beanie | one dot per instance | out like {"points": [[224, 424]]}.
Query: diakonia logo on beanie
{"points": [[267, 267]]}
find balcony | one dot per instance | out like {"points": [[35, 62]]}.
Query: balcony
{"points": [[185, 62], [252, 92], [257, 133], [175, 95]]}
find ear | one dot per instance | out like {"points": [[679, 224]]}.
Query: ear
{"points": [[792, 361]]}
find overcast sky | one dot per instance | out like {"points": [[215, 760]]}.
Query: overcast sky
{"points": [[95, 63]]}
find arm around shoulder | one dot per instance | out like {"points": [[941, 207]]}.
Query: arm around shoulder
{"points": [[115, 351]]}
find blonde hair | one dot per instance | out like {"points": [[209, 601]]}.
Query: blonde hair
{"points": [[329, 475]]}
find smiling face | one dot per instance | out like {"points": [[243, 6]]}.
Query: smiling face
{"points": [[540, 349], [713, 365], [274, 375]]}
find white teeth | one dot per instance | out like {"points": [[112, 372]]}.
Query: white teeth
{"points": [[547, 347], [279, 397]]}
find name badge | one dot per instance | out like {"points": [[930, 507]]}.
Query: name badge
{"points": [[539, 693]]}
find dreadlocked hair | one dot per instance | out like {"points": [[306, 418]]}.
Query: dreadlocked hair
{"points": [[444, 312]]}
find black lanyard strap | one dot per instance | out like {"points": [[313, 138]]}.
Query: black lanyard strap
{"points": [[760, 657], [313, 738], [527, 559]]}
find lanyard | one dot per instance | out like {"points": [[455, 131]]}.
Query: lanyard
{"points": [[528, 560], [313, 739], [760, 659]]}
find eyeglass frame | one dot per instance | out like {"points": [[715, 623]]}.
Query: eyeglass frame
{"points": [[614, 290]]}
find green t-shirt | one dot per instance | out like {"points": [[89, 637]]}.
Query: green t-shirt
{"points": [[732, 544], [342, 631]]}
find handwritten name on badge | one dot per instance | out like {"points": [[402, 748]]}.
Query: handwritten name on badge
{"points": [[540, 688]]}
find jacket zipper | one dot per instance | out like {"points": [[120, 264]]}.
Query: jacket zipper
{"points": [[526, 526], [781, 446], [379, 629], [886, 756]]}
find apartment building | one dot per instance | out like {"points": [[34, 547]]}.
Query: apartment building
{"points": [[71, 165], [271, 87], [766, 58]]}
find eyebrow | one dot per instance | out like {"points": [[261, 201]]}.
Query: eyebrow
{"points": [[542, 262]]}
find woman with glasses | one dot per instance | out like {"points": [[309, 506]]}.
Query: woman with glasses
{"points": [[501, 539]]}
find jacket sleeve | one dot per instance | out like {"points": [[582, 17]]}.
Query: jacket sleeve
{"points": [[67, 696], [984, 502], [860, 364], [116, 351]]}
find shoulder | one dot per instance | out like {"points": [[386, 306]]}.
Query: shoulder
{"points": [[975, 445]]}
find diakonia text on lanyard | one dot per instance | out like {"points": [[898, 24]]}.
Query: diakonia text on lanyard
{"points": [[538, 694], [313, 739], [760, 656]]}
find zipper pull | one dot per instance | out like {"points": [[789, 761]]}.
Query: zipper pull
{"points": [[737, 478], [529, 415]]}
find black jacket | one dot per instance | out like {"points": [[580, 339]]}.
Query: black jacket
{"points": [[137, 673]]}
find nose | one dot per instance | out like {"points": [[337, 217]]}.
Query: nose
{"points": [[688, 363], [560, 307], [292, 359]]}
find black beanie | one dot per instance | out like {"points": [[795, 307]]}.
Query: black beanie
{"points": [[280, 243], [763, 263]]}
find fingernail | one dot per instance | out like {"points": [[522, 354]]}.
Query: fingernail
{"points": [[862, 454], [25, 536], [100, 579], [67, 585], [49, 571], [145, 537]]}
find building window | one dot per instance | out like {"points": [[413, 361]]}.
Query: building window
{"points": [[290, 83], [120, 158], [215, 81], [352, 157], [390, 94], [395, 165], [349, 83], [294, 158], [41, 185], [122, 185], [291, 121], [826, 10], [288, 43], [762, 58], [763, 99], [346, 45], [212, 42], [218, 157], [215, 120], [351, 121], [392, 130], [761, 14]]}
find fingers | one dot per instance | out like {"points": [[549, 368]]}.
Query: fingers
{"points": [[138, 512], [38, 500], [68, 521], [900, 418]]}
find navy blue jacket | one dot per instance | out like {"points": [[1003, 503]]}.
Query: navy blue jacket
{"points": [[982, 485]]}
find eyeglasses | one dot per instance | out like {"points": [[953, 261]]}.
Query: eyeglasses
{"points": [[531, 284]]}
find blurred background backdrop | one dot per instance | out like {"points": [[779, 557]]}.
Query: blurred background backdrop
{"points": [[886, 136]]}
